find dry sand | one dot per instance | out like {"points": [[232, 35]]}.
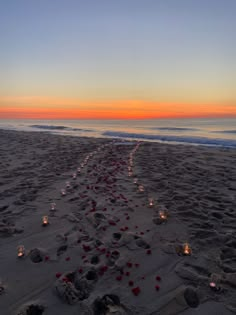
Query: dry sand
{"points": [[104, 251]]}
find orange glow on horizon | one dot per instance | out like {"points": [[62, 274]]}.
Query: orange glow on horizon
{"points": [[66, 108]]}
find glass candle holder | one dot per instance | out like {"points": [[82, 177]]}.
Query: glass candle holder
{"points": [[45, 220], [141, 188], [151, 202], [20, 251], [53, 206], [186, 250], [63, 192]]}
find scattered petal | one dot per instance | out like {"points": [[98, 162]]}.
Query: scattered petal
{"points": [[136, 291]]}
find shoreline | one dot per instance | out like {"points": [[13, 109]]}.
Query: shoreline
{"points": [[103, 235]]}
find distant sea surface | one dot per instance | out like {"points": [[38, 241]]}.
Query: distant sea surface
{"points": [[211, 132]]}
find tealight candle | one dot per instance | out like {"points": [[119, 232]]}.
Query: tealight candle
{"points": [[214, 282], [187, 251], [151, 202], [20, 251], [63, 192], [74, 175], [163, 215], [135, 180], [141, 188], [53, 206], [45, 220], [67, 184], [130, 174]]}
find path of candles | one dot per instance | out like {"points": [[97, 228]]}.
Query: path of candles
{"points": [[109, 233]]}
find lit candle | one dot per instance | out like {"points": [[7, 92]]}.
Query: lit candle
{"points": [[151, 202], [74, 175], [135, 180], [45, 220], [67, 184], [163, 215], [20, 251], [53, 206], [187, 251], [130, 174], [141, 188], [63, 192], [214, 282], [82, 165]]}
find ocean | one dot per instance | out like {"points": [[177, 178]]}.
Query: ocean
{"points": [[210, 132]]}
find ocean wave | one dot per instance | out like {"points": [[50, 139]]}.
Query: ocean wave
{"points": [[179, 139], [52, 127], [225, 131], [174, 129]]}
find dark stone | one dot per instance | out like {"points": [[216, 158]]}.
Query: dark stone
{"points": [[100, 305], [36, 256], [191, 297], [117, 236], [95, 260], [35, 310], [91, 275]]}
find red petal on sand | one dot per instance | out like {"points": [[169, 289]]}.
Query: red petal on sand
{"points": [[46, 258], [148, 252], [141, 233], [65, 279], [127, 218], [136, 291], [67, 259], [58, 274], [157, 287], [119, 278], [136, 226], [80, 270], [127, 273], [137, 265], [131, 283], [158, 278], [129, 264]]}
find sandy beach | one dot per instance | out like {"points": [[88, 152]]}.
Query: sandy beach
{"points": [[121, 215]]}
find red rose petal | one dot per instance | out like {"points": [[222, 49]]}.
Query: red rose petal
{"points": [[158, 278], [137, 265], [129, 264], [58, 274], [46, 258], [80, 270], [67, 259], [157, 287], [149, 252], [131, 283], [119, 278], [127, 273], [136, 291]]}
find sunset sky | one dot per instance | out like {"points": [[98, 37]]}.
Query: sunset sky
{"points": [[117, 58]]}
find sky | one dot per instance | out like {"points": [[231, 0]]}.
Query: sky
{"points": [[117, 59]]}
